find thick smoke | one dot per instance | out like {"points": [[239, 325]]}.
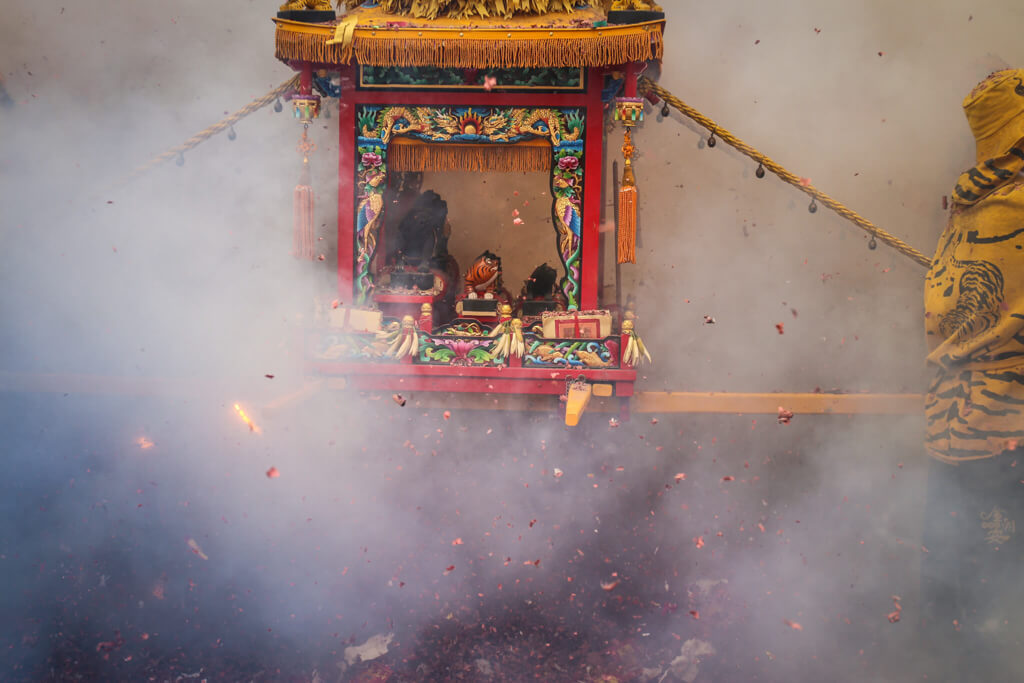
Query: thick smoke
{"points": [[145, 539]]}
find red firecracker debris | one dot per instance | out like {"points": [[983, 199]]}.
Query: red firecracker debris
{"points": [[894, 616], [728, 477], [457, 541], [699, 541], [793, 625], [680, 476], [708, 320], [779, 327], [269, 376], [805, 182], [613, 423], [447, 415], [397, 398], [449, 569], [695, 614], [610, 585], [489, 83], [272, 473], [335, 303], [785, 416], [557, 472]]}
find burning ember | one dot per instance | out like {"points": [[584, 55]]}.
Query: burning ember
{"points": [[253, 427], [196, 549]]}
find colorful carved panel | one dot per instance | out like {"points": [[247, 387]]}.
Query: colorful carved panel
{"points": [[563, 128], [347, 347], [430, 77], [567, 211], [456, 351], [471, 124], [592, 354], [463, 327], [371, 180]]}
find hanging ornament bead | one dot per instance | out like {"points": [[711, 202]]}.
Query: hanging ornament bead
{"points": [[872, 244], [232, 134], [278, 107], [760, 171], [665, 111], [813, 206], [711, 140], [180, 161]]}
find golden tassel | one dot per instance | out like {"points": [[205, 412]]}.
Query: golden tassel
{"points": [[627, 206], [405, 154]]}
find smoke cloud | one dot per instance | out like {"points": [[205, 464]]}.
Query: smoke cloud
{"points": [[146, 536]]}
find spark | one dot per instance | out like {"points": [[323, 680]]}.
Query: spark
{"points": [[196, 549], [253, 427]]}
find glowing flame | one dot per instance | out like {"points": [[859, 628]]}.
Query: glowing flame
{"points": [[144, 443], [245, 418], [196, 549]]}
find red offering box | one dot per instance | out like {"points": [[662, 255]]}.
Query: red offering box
{"points": [[577, 324]]}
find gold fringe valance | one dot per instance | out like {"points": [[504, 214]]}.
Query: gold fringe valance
{"points": [[405, 154], [485, 49]]}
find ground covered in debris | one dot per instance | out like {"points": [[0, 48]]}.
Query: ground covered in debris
{"points": [[154, 542]]}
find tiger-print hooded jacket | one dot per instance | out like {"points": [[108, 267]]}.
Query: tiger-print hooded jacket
{"points": [[974, 290]]}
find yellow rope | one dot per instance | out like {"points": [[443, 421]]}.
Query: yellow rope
{"points": [[646, 85], [221, 125]]}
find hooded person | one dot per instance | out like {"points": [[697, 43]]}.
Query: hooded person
{"points": [[974, 291], [972, 596]]}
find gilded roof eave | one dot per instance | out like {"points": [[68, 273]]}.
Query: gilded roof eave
{"points": [[577, 39]]}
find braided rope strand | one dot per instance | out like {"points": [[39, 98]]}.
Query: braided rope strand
{"points": [[221, 125], [646, 85]]}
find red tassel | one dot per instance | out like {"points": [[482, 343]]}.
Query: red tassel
{"points": [[302, 231]]}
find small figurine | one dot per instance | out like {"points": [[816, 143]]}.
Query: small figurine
{"points": [[540, 293], [541, 284], [422, 235], [483, 280]]}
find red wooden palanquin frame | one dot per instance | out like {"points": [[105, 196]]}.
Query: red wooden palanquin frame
{"points": [[512, 378]]}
